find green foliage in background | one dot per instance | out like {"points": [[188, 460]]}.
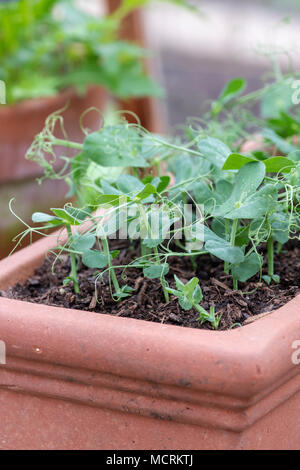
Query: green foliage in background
{"points": [[49, 45]]}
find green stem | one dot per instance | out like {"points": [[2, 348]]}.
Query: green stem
{"points": [[226, 263], [233, 231], [157, 258], [157, 166], [162, 279], [66, 143], [232, 243], [111, 269], [73, 262], [270, 246]]}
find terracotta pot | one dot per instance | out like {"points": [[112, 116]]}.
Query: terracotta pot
{"points": [[80, 380], [20, 123]]}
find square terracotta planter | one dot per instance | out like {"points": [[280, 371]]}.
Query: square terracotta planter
{"points": [[80, 380]]}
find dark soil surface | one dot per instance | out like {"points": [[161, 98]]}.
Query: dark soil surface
{"points": [[147, 301]]}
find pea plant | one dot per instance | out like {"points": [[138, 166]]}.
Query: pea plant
{"points": [[188, 197]]}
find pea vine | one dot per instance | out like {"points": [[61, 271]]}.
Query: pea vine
{"points": [[191, 196]]}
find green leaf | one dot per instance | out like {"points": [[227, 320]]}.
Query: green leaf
{"points": [[164, 182], [267, 279], [232, 89], [185, 303], [94, 259], [124, 292], [248, 268], [190, 286], [197, 294], [179, 283], [129, 184], [225, 252], [83, 242], [279, 164], [115, 146], [67, 218], [156, 271], [112, 200], [235, 161], [285, 125], [247, 180], [256, 205], [147, 191], [214, 150], [280, 226]]}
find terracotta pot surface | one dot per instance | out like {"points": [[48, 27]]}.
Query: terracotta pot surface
{"points": [[20, 123], [80, 380]]}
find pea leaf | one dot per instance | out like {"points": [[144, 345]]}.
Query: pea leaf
{"points": [[248, 179], [129, 184], [147, 191], [83, 242], [156, 271], [232, 89], [115, 146], [256, 205], [279, 164], [112, 200], [235, 161], [214, 150], [66, 217], [94, 259], [247, 268], [225, 252]]}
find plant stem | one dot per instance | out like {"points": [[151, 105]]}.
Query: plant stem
{"points": [[155, 250], [270, 246], [73, 262], [233, 231], [157, 166], [66, 143], [226, 264], [111, 270], [162, 279], [232, 242]]}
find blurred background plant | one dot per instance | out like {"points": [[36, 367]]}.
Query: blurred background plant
{"points": [[49, 45]]}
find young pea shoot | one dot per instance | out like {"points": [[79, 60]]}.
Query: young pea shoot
{"points": [[189, 296]]}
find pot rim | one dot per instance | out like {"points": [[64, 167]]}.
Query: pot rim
{"points": [[241, 362], [36, 104]]}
